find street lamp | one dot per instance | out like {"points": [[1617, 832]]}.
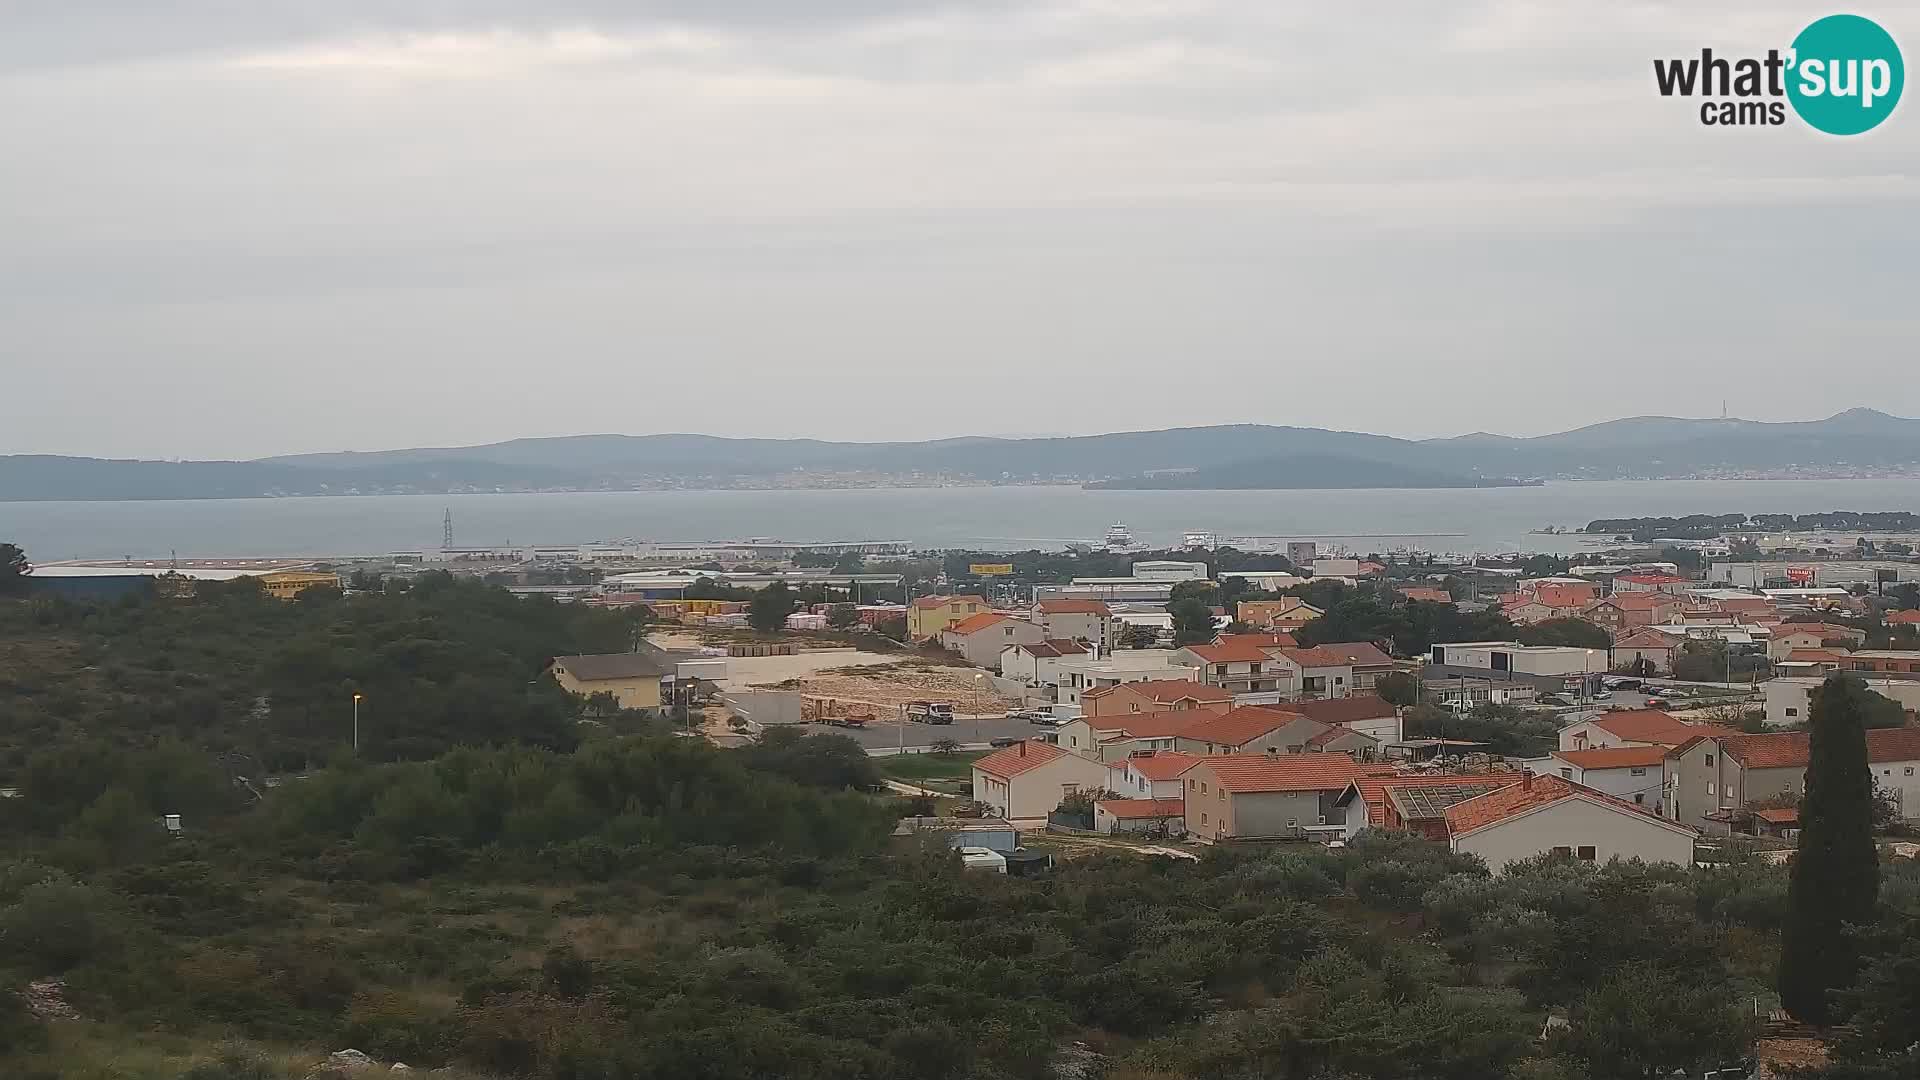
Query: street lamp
{"points": [[978, 678], [356, 721]]}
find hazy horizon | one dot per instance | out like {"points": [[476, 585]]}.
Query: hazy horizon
{"points": [[980, 435], [265, 229]]}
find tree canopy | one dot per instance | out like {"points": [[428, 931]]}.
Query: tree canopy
{"points": [[1836, 872]]}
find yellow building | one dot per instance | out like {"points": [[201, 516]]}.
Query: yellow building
{"points": [[632, 678], [930, 615], [287, 584]]}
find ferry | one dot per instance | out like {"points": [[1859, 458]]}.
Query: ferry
{"points": [[1200, 540], [1119, 536]]}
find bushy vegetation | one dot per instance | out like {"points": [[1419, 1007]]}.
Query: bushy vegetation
{"points": [[525, 903], [267, 685]]}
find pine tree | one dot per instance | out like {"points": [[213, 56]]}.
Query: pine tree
{"points": [[1836, 872]]}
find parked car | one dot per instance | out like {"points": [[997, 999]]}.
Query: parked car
{"points": [[1004, 742], [1657, 703], [1622, 684], [1551, 699]]}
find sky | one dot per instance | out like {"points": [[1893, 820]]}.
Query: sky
{"points": [[236, 228]]}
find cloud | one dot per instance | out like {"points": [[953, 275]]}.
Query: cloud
{"points": [[859, 202]]}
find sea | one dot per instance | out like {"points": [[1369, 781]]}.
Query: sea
{"points": [[1464, 521]]}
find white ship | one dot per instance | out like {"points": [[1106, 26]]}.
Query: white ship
{"points": [[1119, 536], [1201, 540]]}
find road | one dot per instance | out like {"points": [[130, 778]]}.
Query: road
{"points": [[884, 738]]}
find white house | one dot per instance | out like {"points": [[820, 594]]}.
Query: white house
{"points": [[1543, 814], [1633, 727], [1151, 774], [1637, 774], [1038, 663], [1090, 621], [1790, 699], [1028, 779], [980, 639]]}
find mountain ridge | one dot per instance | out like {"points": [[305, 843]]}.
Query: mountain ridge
{"points": [[1859, 439]]}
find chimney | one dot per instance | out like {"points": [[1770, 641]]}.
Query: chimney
{"points": [[1023, 747], [1526, 778]]}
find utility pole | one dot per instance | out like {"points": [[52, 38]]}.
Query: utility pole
{"points": [[446, 528], [356, 721]]}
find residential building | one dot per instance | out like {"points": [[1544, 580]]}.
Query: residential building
{"points": [[1527, 612], [1038, 663], [287, 584], [1028, 779], [927, 616], [1903, 618], [1153, 695], [632, 678], [1114, 739], [1550, 814], [1425, 595], [1328, 671], [1081, 675], [1655, 582], [1883, 661], [1260, 795], [1411, 802], [1565, 594], [1327, 566], [1790, 697], [1644, 645], [1091, 621], [1624, 610], [1712, 776], [1636, 774], [1151, 774], [1633, 727], [1790, 636], [1248, 730], [1287, 614], [1367, 714], [1238, 668], [980, 639], [1265, 640], [1159, 817]]}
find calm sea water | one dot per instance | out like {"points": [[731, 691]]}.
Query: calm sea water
{"points": [[1477, 520]]}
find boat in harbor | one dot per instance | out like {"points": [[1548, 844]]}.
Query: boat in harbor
{"points": [[1201, 539], [1119, 536]]}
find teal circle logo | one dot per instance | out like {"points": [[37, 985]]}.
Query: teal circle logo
{"points": [[1846, 75]]}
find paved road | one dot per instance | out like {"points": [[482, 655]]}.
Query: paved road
{"points": [[884, 738]]}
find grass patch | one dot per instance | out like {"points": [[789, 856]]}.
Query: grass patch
{"points": [[911, 767]]}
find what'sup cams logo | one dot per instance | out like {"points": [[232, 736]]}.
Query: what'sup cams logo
{"points": [[1842, 75]]}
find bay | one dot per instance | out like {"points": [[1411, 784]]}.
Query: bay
{"points": [[1482, 520]]}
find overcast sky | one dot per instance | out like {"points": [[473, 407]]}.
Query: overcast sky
{"points": [[232, 228]]}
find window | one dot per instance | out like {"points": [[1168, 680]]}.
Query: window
{"points": [[1563, 851], [1203, 817], [1709, 760], [1587, 853], [1791, 711], [1566, 774], [1069, 789], [1909, 770], [1203, 788], [1637, 771], [1709, 787], [1639, 798]]}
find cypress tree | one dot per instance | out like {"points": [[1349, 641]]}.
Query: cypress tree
{"points": [[1836, 872]]}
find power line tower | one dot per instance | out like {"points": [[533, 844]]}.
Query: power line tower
{"points": [[446, 528]]}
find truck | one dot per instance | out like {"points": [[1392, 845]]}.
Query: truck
{"points": [[930, 712]]}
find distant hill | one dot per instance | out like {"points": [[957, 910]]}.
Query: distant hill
{"points": [[1300, 472], [1232, 456]]}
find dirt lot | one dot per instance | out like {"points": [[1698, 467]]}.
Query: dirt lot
{"points": [[889, 686]]}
